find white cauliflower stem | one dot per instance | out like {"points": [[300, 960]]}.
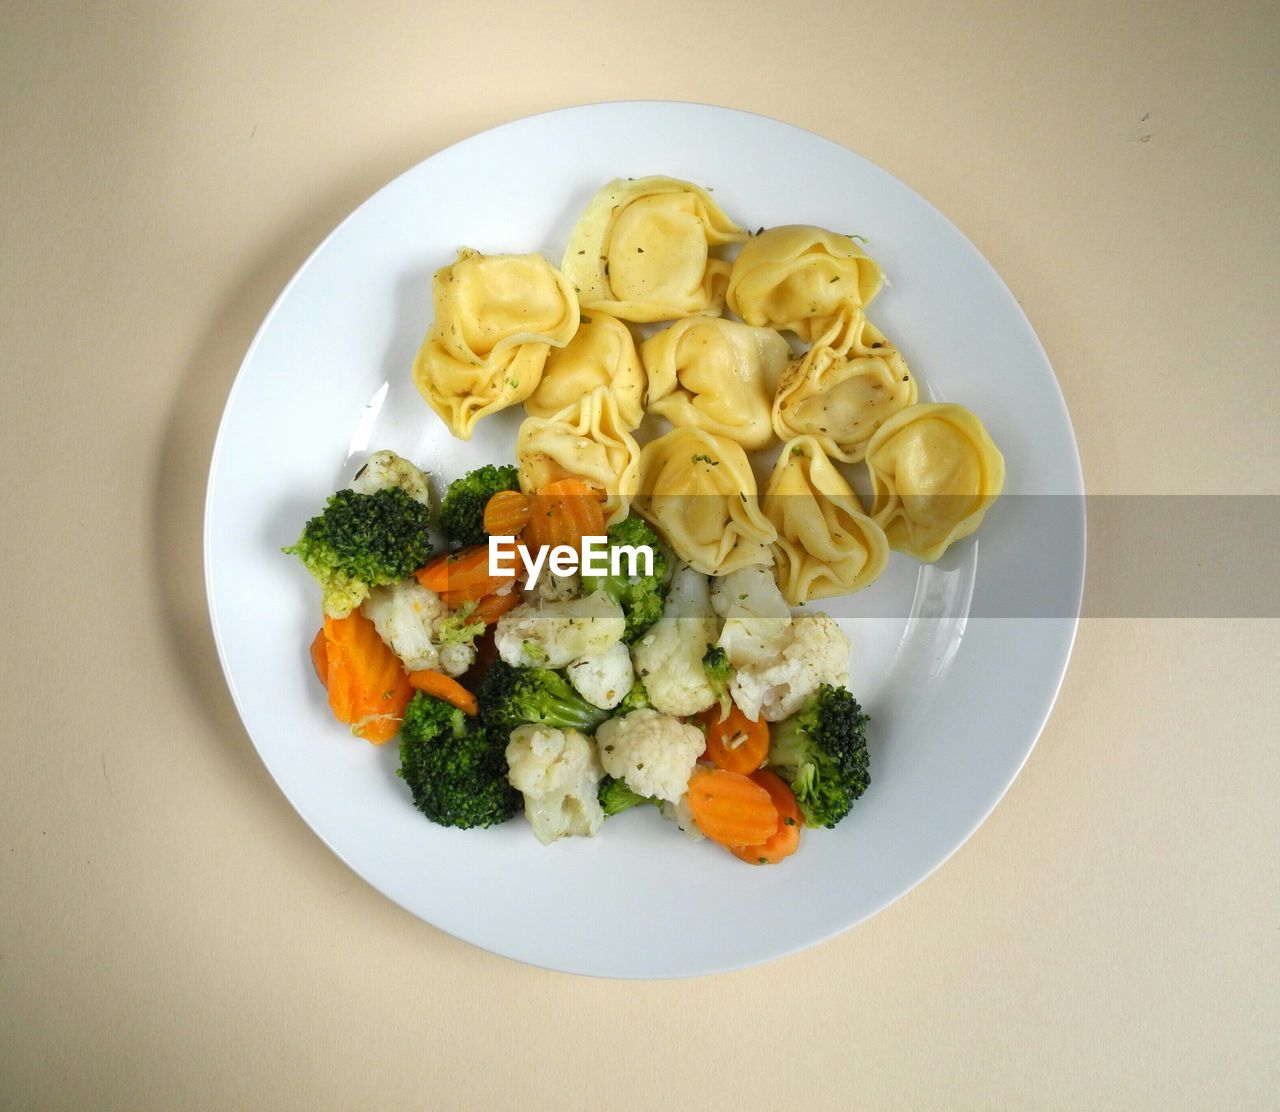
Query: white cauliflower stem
{"points": [[554, 634], [558, 773], [385, 470], [814, 651], [604, 679], [681, 814], [653, 752], [756, 616], [411, 620], [668, 658]]}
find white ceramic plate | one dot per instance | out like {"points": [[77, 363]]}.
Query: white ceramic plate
{"points": [[957, 697]]}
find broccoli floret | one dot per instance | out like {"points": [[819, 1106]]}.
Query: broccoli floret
{"points": [[715, 662], [821, 751], [362, 541], [455, 768], [511, 696], [462, 511], [640, 596], [615, 797], [635, 699]]}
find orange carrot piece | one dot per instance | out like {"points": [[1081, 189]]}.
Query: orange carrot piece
{"points": [[464, 575], [320, 657], [366, 681], [785, 840], [490, 608], [730, 809], [507, 513], [377, 729], [738, 744], [446, 688], [563, 512]]}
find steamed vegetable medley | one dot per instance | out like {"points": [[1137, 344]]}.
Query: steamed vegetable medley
{"points": [[582, 696]]}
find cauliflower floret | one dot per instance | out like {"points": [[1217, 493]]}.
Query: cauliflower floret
{"points": [[557, 633], [384, 470], [416, 624], [668, 658], [557, 588], [558, 773], [681, 814], [604, 679], [756, 616], [653, 752], [815, 651]]}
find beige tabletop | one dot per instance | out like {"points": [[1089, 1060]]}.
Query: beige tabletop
{"points": [[172, 935]]}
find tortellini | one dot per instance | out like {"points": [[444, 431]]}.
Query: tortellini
{"points": [[934, 472], [826, 545], [603, 353], [587, 441], [497, 317], [716, 375], [641, 250], [800, 279], [699, 490], [843, 388]]}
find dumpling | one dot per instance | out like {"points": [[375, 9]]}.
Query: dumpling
{"points": [[699, 490], [587, 441], [497, 317], [800, 278], [826, 545], [716, 375], [843, 388], [934, 472], [641, 248], [602, 353]]}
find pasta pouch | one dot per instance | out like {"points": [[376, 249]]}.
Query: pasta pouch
{"points": [[585, 441], [843, 388], [826, 545], [496, 319], [934, 473], [799, 278], [699, 491], [716, 375], [641, 250]]}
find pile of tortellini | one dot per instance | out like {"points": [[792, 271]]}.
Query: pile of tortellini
{"points": [[512, 328]]}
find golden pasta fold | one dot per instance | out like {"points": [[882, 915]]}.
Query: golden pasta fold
{"points": [[800, 278], [934, 473], [586, 441], [843, 388], [716, 375], [602, 354], [699, 491], [641, 250], [496, 318], [826, 545]]}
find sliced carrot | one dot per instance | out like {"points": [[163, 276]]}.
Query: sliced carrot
{"points": [[320, 657], [730, 809], [507, 513], [490, 608], [444, 687], [463, 575], [564, 512], [785, 840], [378, 728], [738, 744], [366, 681]]}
